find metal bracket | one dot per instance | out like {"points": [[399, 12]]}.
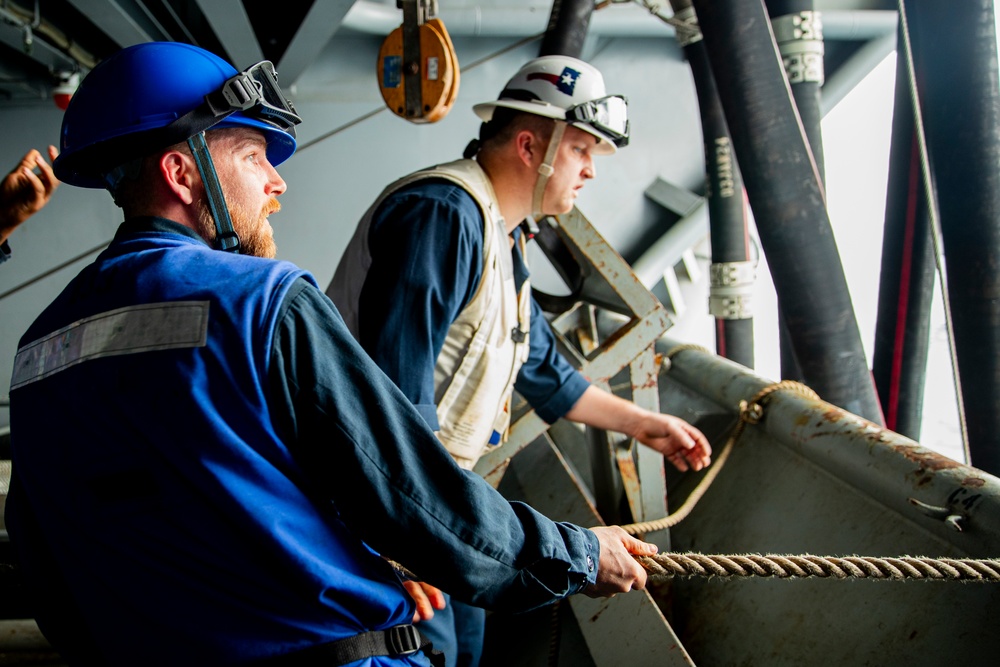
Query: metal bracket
{"points": [[799, 38], [730, 306], [942, 513], [731, 290], [606, 281], [732, 274], [415, 14]]}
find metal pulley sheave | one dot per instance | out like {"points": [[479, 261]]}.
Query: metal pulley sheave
{"points": [[417, 66]]}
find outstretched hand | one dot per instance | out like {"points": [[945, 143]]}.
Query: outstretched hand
{"points": [[427, 597], [23, 192], [617, 570], [682, 444]]}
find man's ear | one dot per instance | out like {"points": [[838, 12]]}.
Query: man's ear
{"points": [[526, 146], [178, 172]]}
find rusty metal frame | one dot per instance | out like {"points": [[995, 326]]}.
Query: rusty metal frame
{"points": [[811, 478], [607, 282], [619, 630]]}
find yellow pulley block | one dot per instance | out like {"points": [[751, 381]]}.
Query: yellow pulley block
{"points": [[418, 72]]}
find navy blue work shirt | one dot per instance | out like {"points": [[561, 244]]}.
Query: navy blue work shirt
{"points": [[426, 243]]}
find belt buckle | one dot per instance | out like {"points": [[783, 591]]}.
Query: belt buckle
{"points": [[403, 639]]}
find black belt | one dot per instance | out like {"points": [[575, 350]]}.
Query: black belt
{"points": [[397, 641]]}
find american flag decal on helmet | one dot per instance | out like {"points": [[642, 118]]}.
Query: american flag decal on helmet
{"points": [[564, 82]]}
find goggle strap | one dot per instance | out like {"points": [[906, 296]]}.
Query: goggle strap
{"points": [[225, 235], [241, 93]]}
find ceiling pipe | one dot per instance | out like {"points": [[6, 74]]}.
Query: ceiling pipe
{"points": [[56, 46], [630, 20], [567, 29]]}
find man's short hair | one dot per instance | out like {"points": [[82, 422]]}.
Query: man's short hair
{"points": [[133, 190], [506, 123]]}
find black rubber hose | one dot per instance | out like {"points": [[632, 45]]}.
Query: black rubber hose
{"points": [[789, 204], [956, 62], [567, 28], [806, 92], [727, 214], [906, 282]]}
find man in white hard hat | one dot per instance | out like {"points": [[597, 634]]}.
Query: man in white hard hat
{"points": [[435, 287]]}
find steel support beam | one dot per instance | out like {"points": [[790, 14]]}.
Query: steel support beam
{"points": [[48, 56], [121, 20], [231, 24], [607, 281], [315, 31]]}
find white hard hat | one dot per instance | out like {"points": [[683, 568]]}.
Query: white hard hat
{"points": [[569, 89]]}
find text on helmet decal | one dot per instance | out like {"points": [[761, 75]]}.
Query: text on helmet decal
{"points": [[564, 83]]}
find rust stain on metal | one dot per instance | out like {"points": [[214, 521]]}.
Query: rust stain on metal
{"points": [[833, 415], [927, 460], [630, 476], [618, 335], [586, 341], [650, 383], [974, 482], [875, 435], [844, 420]]}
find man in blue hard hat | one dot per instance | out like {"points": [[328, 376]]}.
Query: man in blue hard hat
{"points": [[208, 470]]}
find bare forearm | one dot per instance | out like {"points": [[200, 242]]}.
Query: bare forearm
{"points": [[603, 410], [683, 444]]}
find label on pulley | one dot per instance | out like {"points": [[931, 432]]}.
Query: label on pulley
{"points": [[392, 71]]}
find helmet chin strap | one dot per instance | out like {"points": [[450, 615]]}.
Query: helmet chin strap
{"points": [[225, 235], [545, 169]]}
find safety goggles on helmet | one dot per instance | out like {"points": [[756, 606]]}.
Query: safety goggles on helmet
{"points": [[255, 93], [165, 93], [608, 115]]}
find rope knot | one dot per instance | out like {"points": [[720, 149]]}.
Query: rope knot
{"points": [[751, 413]]}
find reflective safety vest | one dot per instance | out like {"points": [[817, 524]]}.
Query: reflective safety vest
{"points": [[486, 345]]}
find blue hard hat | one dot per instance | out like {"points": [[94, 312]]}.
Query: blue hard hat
{"points": [[130, 104]]}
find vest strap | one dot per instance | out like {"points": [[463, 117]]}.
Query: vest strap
{"points": [[399, 640]]}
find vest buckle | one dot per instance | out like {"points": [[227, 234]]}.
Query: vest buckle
{"points": [[402, 639]]}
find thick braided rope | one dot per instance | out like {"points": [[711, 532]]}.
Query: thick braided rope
{"points": [[751, 412], [667, 565], [689, 503]]}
